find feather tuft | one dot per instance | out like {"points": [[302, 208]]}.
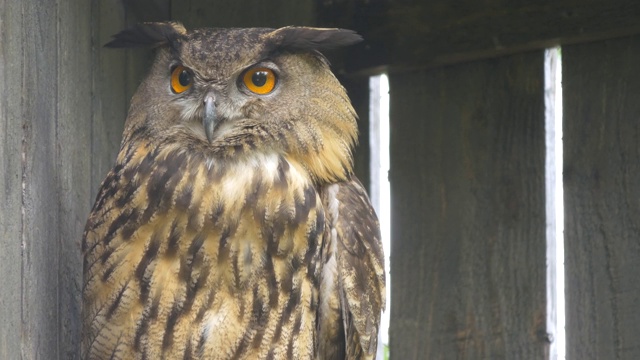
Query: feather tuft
{"points": [[295, 38], [148, 35]]}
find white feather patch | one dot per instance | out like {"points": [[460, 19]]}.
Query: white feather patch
{"points": [[330, 268]]}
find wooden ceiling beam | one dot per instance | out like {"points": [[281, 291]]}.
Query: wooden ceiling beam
{"points": [[403, 35]]}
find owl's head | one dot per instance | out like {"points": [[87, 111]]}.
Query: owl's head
{"points": [[234, 92]]}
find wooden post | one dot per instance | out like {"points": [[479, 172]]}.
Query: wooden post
{"points": [[11, 168], [73, 143], [46, 111], [468, 211], [109, 81], [601, 87], [358, 91]]}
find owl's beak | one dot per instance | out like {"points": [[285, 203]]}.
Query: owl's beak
{"points": [[210, 118]]}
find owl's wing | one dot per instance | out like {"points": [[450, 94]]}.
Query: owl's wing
{"points": [[358, 272]]}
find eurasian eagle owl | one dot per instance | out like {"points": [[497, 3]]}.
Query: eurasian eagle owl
{"points": [[231, 225]]}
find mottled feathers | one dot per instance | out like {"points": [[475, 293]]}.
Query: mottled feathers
{"points": [[249, 240]]}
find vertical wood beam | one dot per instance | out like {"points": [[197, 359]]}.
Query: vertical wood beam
{"points": [[11, 134], [468, 211], [73, 131], [110, 102], [40, 180], [358, 91], [601, 87]]}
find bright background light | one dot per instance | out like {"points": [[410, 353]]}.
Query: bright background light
{"points": [[380, 187]]}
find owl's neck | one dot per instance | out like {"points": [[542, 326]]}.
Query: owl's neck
{"points": [[327, 162]]}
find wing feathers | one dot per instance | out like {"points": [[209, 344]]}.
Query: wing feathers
{"points": [[360, 265]]}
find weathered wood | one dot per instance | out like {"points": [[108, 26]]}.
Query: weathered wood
{"points": [[40, 217], [358, 91], [109, 81], [468, 211], [413, 33], [10, 177], [601, 86], [148, 10], [244, 13], [73, 131]]}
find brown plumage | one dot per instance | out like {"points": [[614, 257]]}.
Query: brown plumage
{"points": [[231, 225]]}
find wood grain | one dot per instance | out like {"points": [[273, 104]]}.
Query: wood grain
{"points": [[408, 34], [73, 131], [109, 80], [10, 177], [601, 87], [468, 211], [40, 217], [358, 91]]}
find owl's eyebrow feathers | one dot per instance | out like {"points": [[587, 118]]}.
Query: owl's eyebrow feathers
{"points": [[148, 35], [295, 38], [290, 38]]}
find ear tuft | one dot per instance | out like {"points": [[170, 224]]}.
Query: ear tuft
{"points": [[293, 38], [148, 34]]}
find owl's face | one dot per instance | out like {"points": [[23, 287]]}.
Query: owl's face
{"points": [[252, 89]]}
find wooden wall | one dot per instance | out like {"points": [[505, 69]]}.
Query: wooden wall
{"points": [[602, 198], [467, 92], [414, 34], [63, 100], [46, 125], [467, 183]]}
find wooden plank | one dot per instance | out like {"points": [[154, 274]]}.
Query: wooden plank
{"points": [[40, 221], [244, 13], [410, 33], [109, 81], [601, 85], [468, 211], [46, 106], [358, 91], [11, 120], [148, 10], [74, 165]]}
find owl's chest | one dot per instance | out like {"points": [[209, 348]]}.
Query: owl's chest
{"points": [[211, 256], [236, 215]]}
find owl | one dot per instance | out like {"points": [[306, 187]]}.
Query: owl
{"points": [[231, 225]]}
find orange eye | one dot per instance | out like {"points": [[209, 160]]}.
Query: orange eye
{"points": [[181, 79], [259, 80]]}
